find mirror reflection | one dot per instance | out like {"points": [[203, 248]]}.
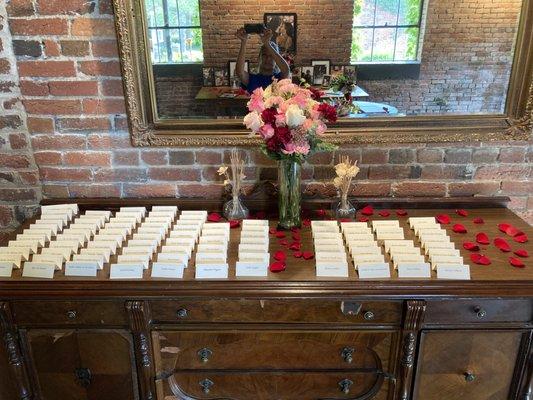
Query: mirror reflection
{"points": [[372, 58]]}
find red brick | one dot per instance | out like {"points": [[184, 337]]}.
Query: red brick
{"points": [[94, 190], [18, 141], [389, 172], [120, 174], [83, 124], [126, 157], [198, 191], [320, 190], [75, 48], [40, 125], [6, 216], [63, 174], [501, 172], [257, 158], [154, 157], [206, 157], [374, 156], [174, 174], [73, 88], [100, 68], [51, 48], [46, 68], [180, 157], [5, 66], [485, 155], [512, 154], [321, 158], [33, 88], [96, 158], [47, 157], [93, 27], [465, 189], [99, 141], [20, 8], [105, 48], [8, 194], [112, 87], [430, 156], [29, 177], [104, 106], [372, 189], [55, 191], [419, 189], [149, 190], [121, 123], [38, 27], [14, 161], [58, 142], [517, 187], [10, 121], [52, 7], [54, 107]]}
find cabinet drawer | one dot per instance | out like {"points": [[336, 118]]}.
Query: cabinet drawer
{"points": [[278, 311], [478, 310], [247, 350], [95, 313]]}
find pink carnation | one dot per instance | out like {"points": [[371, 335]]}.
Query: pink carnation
{"points": [[273, 101], [266, 131], [256, 101]]}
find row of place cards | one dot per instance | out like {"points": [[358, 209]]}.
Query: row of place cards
{"points": [[253, 252], [330, 253]]}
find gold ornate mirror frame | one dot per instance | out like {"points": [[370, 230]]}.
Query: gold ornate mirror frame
{"points": [[148, 130]]}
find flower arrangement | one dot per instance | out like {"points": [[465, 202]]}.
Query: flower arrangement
{"points": [[234, 209], [345, 170], [289, 120]]}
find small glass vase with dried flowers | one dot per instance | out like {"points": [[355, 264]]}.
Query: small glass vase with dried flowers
{"points": [[346, 170], [234, 209]]}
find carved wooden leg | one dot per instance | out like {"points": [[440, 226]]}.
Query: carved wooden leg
{"points": [[11, 343], [414, 316], [139, 324]]}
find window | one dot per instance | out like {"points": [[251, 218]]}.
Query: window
{"points": [[174, 31], [386, 30]]}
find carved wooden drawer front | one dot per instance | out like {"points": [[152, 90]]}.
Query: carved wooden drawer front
{"points": [[461, 365], [95, 313], [478, 310], [278, 311]]}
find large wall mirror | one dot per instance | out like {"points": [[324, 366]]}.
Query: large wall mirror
{"points": [[414, 70]]}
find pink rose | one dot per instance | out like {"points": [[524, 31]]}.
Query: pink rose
{"points": [[321, 128], [274, 101], [280, 119], [256, 101], [266, 131]]}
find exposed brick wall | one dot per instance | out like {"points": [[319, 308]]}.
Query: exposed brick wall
{"points": [[19, 178], [82, 147]]}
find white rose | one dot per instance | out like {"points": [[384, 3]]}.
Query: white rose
{"points": [[295, 116], [253, 121]]}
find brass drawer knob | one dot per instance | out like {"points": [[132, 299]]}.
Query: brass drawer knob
{"points": [[345, 385], [369, 315], [182, 313], [205, 354], [72, 314], [480, 312], [206, 385], [347, 354], [469, 376]]}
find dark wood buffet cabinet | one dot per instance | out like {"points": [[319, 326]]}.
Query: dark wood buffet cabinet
{"points": [[288, 336]]}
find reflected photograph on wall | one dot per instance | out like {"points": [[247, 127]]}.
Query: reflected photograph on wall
{"points": [[221, 77], [209, 76], [283, 27]]}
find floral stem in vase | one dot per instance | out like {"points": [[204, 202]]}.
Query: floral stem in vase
{"points": [[289, 201]]}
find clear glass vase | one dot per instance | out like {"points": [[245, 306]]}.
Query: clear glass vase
{"points": [[344, 208], [235, 210], [289, 198]]}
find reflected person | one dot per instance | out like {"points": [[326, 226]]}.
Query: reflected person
{"points": [[271, 63]]}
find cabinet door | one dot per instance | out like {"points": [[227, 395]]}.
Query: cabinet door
{"points": [[7, 387], [460, 365], [82, 365]]}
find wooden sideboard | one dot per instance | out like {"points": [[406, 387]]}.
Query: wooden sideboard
{"points": [[288, 336]]}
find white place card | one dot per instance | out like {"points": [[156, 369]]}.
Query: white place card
{"points": [[324, 223], [325, 229], [6, 269], [97, 244], [347, 225], [444, 252], [142, 259], [104, 213], [127, 271], [60, 207], [30, 244], [187, 228], [38, 270], [207, 247], [373, 270], [216, 239], [210, 256], [46, 234], [15, 260], [260, 222], [81, 268], [129, 215], [69, 234], [23, 252], [433, 238], [48, 225], [384, 235], [194, 212], [254, 257], [66, 252], [179, 242], [457, 271], [97, 258], [354, 245], [143, 243], [416, 259], [174, 257], [257, 234], [334, 248], [325, 268], [397, 243], [428, 246], [414, 270], [192, 217], [149, 230], [165, 208], [261, 240], [169, 270], [403, 250], [435, 260], [215, 270], [148, 236], [41, 240], [103, 252], [143, 250], [359, 250], [55, 259], [251, 268], [253, 248], [327, 236], [415, 220], [115, 229], [170, 248], [331, 256]]}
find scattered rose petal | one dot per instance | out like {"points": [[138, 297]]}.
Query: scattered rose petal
{"points": [[503, 227], [479, 259], [482, 238], [284, 242], [401, 213], [502, 245], [272, 231], [521, 238], [479, 220], [516, 262], [280, 235], [512, 231], [214, 217], [298, 254], [459, 228], [522, 253], [295, 246], [297, 237], [308, 255], [470, 246], [368, 210], [280, 255], [443, 219], [320, 213], [234, 224], [384, 213], [462, 213], [277, 266], [363, 219], [306, 222]]}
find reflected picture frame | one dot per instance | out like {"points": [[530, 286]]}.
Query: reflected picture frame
{"points": [[286, 18], [320, 69]]}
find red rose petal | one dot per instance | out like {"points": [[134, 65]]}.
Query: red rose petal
{"points": [[368, 210], [297, 237], [470, 246], [306, 222], [479, 259], [295, 246], [479, 220], [522, 253], [308, 255], [234, 224], [512, 231], [214, 217], [280, 255], [401, 213], [482, 238], [459, 228], [298, 254], [277, 266], [384, 213], [280, 235], [443, 219], [521, 238], [503, 227], [363, 219], [462, 213], [502, 245], [284, 242], [320, 213], [516, 262]]}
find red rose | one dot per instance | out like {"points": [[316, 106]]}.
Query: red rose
{"points": [[328, 112], [316, 94], [272, 144], [283, 134], [269, 115]]}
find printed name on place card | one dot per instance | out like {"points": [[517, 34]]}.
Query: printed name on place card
{"points": [[250, 268], [212, 271], [38, 270], [330, 268], [81, 268], [446, 271], [414, 270], [6, 269], [373, 270], [127, 271], [171, 270]]}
